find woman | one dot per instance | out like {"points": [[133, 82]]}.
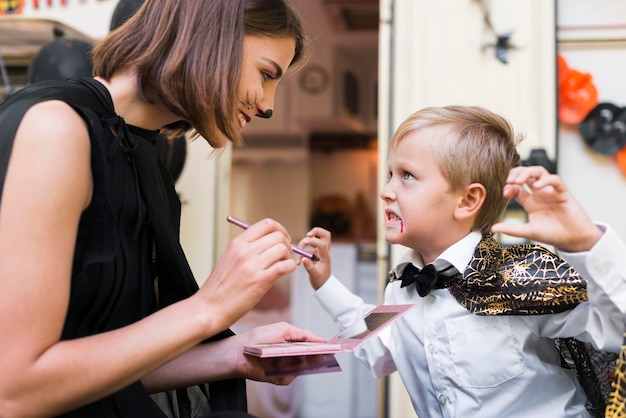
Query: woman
{"points": [[98, 305]]}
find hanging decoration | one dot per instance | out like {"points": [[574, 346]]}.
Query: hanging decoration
{"points": [[11, 7], [577, 93], [16, 7], [503, 43]]}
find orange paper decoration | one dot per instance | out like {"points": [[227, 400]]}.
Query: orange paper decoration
{"points": [[577, 93]]}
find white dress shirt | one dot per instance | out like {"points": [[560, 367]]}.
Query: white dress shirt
{"points": [[456, 364]]}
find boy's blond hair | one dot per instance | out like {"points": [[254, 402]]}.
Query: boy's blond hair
{"points": [[472, 145]]}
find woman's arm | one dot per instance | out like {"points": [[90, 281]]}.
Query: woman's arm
{"points": [[224, 359]]}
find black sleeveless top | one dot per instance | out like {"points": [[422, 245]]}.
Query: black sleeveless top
{"points": [[128, 235]]}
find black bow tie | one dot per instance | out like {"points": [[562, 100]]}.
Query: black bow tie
{"points": [[427, 278]]}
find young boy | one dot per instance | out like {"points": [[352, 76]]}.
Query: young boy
{"points": [[480, 341]]}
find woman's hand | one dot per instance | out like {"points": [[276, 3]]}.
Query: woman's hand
{"points": [[225, 359], [554, 216], [249, 266], [281, 332]]}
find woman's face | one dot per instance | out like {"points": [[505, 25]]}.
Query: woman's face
{"points": [[265, 61]]}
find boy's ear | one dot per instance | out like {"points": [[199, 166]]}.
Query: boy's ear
{"points": [[472, 200]]}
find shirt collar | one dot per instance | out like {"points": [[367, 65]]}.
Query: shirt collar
{"points": [[458, 254]]}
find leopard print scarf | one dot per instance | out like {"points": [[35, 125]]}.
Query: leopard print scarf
{"points": [[517, 280]]}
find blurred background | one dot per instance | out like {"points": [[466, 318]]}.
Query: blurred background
{"points": [[553, 67]]}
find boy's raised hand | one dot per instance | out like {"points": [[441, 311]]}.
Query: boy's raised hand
{"points": [[554, 216], [318, 241]]}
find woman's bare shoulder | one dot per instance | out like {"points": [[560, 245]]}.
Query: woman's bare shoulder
{"points": [[53, 140], [51, 118]]}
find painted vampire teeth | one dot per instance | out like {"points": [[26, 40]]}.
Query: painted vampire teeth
{"points": [[392, 216], [243, 119]]}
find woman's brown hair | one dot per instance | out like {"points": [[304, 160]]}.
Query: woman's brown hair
{"points": [[188, 55]]}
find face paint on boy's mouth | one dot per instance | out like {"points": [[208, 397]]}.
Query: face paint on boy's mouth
{"points": [[401, 226]]}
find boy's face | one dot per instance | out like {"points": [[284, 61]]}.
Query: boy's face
{"points": [[419, 207]]}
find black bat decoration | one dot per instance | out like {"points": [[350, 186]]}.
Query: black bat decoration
{"points": [[503, 41]]}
